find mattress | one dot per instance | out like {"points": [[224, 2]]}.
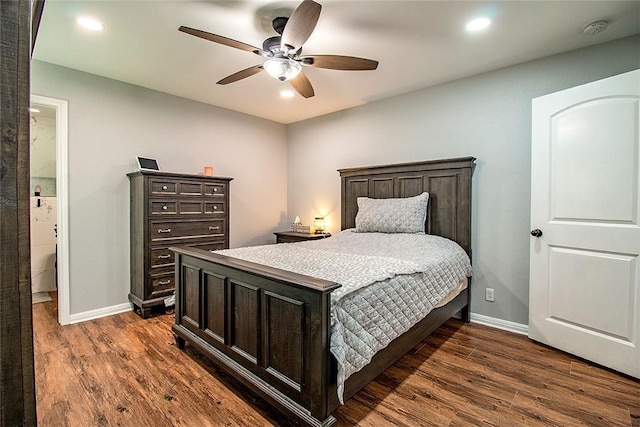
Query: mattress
{"points": [[389, 283]]}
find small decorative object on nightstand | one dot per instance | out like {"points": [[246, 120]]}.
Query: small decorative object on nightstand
{"points": [[297, 227], [292, 236]]}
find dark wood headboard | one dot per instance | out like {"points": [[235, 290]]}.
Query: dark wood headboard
{"points": [[447, 181]]}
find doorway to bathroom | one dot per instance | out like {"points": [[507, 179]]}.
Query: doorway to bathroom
{"points": [[49, 203]]}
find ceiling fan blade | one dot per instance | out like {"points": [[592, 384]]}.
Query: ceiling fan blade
{"points": [[302, 84], [338, 62], [220, 39], [247, 72], [301, 24]]}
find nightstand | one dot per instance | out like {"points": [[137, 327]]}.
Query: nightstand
{"points": [[292, 236]]}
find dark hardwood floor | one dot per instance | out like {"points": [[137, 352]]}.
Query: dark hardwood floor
{"points": [[125, 371]]}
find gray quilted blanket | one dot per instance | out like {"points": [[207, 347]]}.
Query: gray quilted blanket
{"points": [[389, 282]]}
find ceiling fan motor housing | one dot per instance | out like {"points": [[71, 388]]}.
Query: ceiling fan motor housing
{"points": [[272, 44], [279, 23]]}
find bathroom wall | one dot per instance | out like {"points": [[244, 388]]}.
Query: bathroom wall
{"points": [[43, 244], [43, 200], [43, 154]]}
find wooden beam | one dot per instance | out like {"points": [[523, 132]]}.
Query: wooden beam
{"points": [[17, 389]]}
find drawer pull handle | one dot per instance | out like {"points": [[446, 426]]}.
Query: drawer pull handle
{"points": [[215, 208], [164, 187], [164, 207], [164, 282], [211, 227], [164, 256], [215, 190], [166, 230]]}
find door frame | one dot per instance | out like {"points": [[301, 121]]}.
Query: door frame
{"points": [[62, 200]]}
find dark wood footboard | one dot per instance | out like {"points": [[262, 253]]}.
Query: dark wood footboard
{"points": [[266, 327], [270, 329]]}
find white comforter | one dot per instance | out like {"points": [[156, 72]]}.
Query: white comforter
{"points": [[389, 282]]}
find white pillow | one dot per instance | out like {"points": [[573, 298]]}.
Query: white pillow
{"points": [[406, 215]]}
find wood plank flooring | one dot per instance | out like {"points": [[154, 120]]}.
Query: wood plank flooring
{"points": [[125, 371]]}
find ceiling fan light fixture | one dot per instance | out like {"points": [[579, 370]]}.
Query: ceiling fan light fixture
{"points": [[282, 68]]}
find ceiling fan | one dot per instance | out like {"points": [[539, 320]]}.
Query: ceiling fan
{"points": [[284, 52]]}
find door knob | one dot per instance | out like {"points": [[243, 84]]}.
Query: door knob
{"points": [[536, 233]]}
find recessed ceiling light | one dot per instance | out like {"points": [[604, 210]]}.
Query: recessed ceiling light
{"points": [[90, 23], [478, 24], [287, 93]]}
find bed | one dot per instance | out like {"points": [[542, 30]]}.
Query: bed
{"points": [[270, 328]]}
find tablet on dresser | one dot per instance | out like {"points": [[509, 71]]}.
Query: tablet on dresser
{"points": [[147, 164]]}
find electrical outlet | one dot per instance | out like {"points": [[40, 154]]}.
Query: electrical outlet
{"points": [[489, 294]]}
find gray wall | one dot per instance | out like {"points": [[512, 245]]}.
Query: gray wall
{"points": [[487, 116], [110, 123], [281, 172]]}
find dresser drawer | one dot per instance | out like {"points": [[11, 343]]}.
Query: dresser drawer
{"points": [[162, 186], [190, 188], [214, 208], [161, 257], [191, 207], [216, 190], [163, 207], [161, 284], [158, 186], [159, 207], [189, 229]]}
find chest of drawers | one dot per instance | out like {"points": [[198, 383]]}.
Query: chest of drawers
{"points": [[166, 210]]}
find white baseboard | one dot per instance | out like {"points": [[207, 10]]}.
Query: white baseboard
{"points": [[494, 322], [100, 312]]}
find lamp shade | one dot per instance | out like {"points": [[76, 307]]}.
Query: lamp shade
{"points": [[282, 68], [319, 224]]}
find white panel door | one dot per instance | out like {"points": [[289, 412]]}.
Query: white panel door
{"points": [[584, 295]]}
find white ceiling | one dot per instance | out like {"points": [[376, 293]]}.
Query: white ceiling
{"points": [[418, 44]]}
